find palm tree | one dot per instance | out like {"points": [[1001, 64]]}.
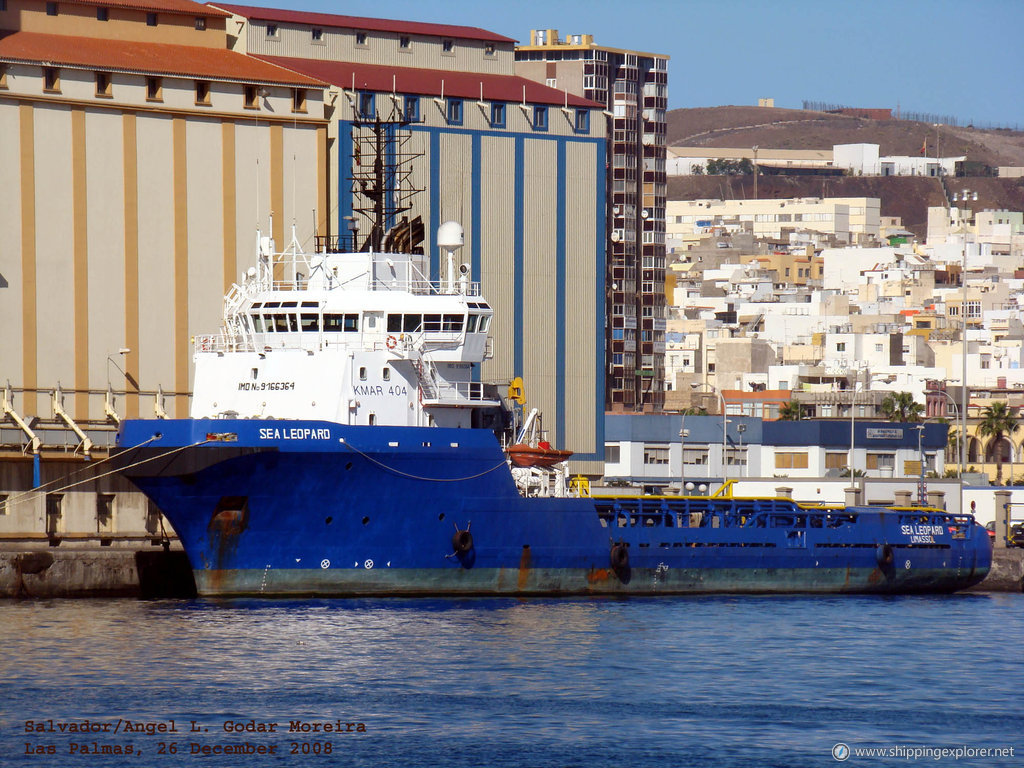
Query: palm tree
{"points": [[997, 420], [900, 406], [790, 411]]}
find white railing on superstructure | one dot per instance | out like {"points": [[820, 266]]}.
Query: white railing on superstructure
{"points": [[455, 393], [313, 340], [415, 287]]}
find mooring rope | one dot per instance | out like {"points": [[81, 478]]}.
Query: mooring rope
{"points": [[421, 477], [63, 488], [87, 468]]}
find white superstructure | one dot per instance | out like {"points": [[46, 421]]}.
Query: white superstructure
{"points": [[353, 338]]}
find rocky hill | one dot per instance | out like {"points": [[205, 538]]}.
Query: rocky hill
{"points": [[800, 129], [903, 196]]}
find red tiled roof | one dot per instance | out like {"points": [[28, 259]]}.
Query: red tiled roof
{"points": [[359, 22], [152, 58], [427, 82], [186, 7]]}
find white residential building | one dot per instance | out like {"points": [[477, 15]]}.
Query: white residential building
{"points": [[845, 218], [844, 266]]}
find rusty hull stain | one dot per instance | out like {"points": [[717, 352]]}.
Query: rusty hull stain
{"points": [[524, 568]]}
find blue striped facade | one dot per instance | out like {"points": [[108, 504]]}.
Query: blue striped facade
{"points": [[518, 235]]}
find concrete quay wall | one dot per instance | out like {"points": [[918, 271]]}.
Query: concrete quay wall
{"points": [[94, 572], [1007, 574]]}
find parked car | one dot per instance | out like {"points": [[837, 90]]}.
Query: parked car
{"points": [[1016, 537]]}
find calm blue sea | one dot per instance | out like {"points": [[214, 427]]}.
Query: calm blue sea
{"points": [[715, 681]]}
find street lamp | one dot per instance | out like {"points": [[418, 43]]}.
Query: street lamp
{"points": [[683, 434], [721, 399], [725, 421], [965, 197], [741, 428], [110, 359], [921, 495], [956, 418], [853, 420], [108, 403], [755, 170]]}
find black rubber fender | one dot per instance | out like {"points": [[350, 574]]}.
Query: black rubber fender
{"points": [[884, 555], [619, 557], [462, 541]]}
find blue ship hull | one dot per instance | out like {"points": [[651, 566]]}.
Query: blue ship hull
{"points": [[293, 508]]}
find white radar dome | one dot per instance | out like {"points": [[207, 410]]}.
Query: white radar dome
{"points": [[450, 235]]}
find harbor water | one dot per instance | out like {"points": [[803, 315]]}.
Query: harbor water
{"points": [[730, 680]]}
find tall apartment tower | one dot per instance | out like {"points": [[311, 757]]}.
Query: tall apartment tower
{"points": [[634, 88]]}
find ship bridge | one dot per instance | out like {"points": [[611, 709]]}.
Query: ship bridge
{"points": [[371, 323]]}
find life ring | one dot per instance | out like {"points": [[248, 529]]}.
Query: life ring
{"points": [[619, 557], [204, 343], [462, 541], [392, 342], [884, 555]]}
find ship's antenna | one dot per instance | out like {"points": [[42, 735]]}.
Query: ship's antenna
{"points": [[258, 195], [294, 206], [259, 232]]}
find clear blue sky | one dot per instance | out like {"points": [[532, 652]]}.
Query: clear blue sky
{"points": [[963, 58]]}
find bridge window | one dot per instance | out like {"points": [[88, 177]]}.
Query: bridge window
{"points": [[394, 323], [471, 324], [484, 322], [338, 323], [452, 323], [310, 323], [431, 323]]}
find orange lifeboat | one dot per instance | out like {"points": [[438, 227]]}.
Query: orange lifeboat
{"points": [[542, 455]]}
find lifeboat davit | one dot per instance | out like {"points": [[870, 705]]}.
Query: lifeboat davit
{"points": [[542, 455]]}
